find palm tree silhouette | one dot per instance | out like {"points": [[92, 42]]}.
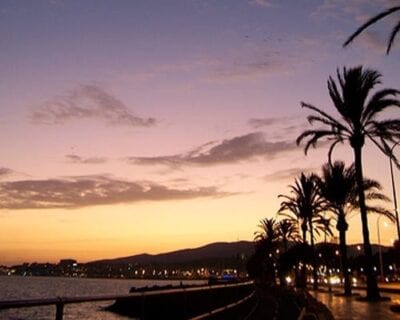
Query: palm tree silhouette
{"points": [[360, 119], [338, 185], [288, 231], [266, 241], [373, 20], [306, 204], [267, 231]]}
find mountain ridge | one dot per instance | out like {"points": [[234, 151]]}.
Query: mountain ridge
{"points": [[210, 252], [215, 250]]}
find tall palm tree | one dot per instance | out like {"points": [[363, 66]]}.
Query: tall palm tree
{"points": [[360, 119], [339, 188], [375, 19], [306, 204]]}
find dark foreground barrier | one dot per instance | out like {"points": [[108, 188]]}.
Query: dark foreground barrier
{"points": [[185, 303]]}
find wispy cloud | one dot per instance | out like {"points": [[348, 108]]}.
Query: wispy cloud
{"points": [[228, 151], [73, 158], [287, 174], [374, 41], [88, 102], [257, 123], [5, 172], [278, 128], [262, 3], [267, 57], [77, 192], [247, 68], [56, 2], [359, 10]]}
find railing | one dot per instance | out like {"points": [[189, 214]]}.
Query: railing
{"points": [[222, 309], [60, 302]]}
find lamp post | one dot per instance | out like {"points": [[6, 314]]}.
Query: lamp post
{"points": [[380, 249], [394, 189]]}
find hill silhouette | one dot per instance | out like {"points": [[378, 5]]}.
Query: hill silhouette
{"points": [[210, 254], [212, 251]]}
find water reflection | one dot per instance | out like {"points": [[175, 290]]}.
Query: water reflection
{"points": [[49, 287], [348, 308]]}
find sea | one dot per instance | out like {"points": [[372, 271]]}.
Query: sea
{"points": [[15, 287]]}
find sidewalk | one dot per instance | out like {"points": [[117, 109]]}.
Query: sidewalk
{"points": [[348, 308]]}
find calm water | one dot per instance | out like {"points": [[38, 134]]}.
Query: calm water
{"points": [[49, 287]]}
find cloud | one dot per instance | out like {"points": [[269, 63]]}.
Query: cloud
{"points": [[88, 102], [56, 2], [257, 123], [4, 172], [247, 67], [262, 3], [228, 151], [78, 192], [359, 10], [73, 158], [279, 127], [373, 40], [259, 58], [287, 174]]}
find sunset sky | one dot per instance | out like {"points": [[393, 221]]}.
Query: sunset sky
{"points": [[132, 126]]}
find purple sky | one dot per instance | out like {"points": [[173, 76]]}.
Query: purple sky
{"points": [[137, 126]]}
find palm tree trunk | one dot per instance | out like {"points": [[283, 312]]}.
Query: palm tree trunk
{"points": [[282, 279], [313, 260], [372, 286], [302, 282], [304, 231], [342, 227], [285, 243]]}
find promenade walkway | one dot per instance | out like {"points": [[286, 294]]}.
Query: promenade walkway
{"points": [[348, 308]]}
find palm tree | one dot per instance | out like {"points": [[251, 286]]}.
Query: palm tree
{"points": [[267, 231], [339, 188], [306, 204], [266, 241], [360, 119], [373, 20], [288, 231]]}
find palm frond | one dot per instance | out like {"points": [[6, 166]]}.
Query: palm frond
{"points": [[390, 124], [332, 147], [370, 22], [336, 97], [382, 211], [373, 105], [377, 196], [324, 114], [392, 36], [312, 119], [288, 215], [316, 135]]}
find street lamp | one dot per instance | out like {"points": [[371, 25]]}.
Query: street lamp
{"points": [[394, 189], [380, 247]]}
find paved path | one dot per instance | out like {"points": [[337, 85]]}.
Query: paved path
{"points": [[348, 308]]}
